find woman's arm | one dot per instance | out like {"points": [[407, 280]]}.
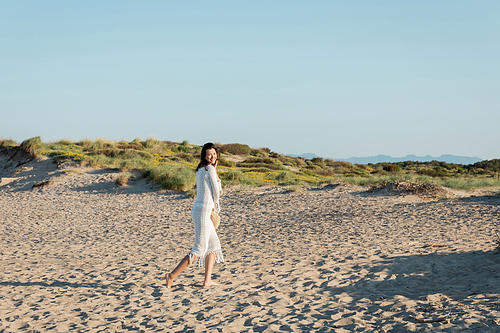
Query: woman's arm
{"points": [[214, 186]]}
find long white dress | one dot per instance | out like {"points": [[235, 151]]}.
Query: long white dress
{"points": [[208, 192]]}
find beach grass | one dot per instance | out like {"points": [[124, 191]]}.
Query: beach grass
{"points": [[172, 165]]}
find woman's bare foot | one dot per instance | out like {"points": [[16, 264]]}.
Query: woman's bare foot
{"points": [[169, 280], [210, 283]]}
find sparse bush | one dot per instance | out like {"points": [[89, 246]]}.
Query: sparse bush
{"points": [[265, 150], [135, 146], [364, 167], [85, 144], [293, 188], [155, 146], [151, 143], [392, 168], [123, 178], [318, 161], [330, 162], [169, 144], [300, 162], [96, 146]]}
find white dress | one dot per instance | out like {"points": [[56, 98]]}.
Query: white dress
{"points": [[208, 192]]}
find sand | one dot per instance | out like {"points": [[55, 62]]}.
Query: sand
{"points": [[83, 254]]}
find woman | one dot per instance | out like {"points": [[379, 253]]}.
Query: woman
{"points": [[206, 249]]}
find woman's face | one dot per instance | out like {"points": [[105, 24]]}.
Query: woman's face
{"points": [[211, 156]]}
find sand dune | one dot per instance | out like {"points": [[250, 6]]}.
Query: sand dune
{"points": [[82, 254]]}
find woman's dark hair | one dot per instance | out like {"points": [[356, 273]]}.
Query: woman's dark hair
{"points": [[203, 161]]}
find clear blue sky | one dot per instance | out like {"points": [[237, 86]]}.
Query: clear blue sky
{"points": [[336, 78]]}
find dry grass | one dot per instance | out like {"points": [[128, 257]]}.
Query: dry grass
{"points": [[123, 178], [32, 146]]}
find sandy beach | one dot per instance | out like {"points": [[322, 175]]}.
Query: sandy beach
{"points": [[80, 253]]}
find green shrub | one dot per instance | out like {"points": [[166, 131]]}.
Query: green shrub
{"points": [[491, 165], [258, 153], [283, 177], [286, 178], [231, 177], [306, 172], [172, 177], [155, 146], [235, 149], [318, 161], [434, 172], [265, 162], [389, 167], [185, 156], [98, 145], [183, 147], [312, 167], [129, 154], [32, 146], [151, 143], [226, 163], [102, 161], [300, 162]]}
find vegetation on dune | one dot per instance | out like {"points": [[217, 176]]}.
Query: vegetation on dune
{"points": [[123, 178], [172, 165]]}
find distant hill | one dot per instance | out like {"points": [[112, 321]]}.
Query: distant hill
{"points": [[308, 156], [427, 158], [389, 159]]}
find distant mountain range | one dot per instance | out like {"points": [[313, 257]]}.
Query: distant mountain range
{"points": [[389, 159]]}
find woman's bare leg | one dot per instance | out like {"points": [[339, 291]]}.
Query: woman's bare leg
{"points": [[169, 277], [209, 264]]}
